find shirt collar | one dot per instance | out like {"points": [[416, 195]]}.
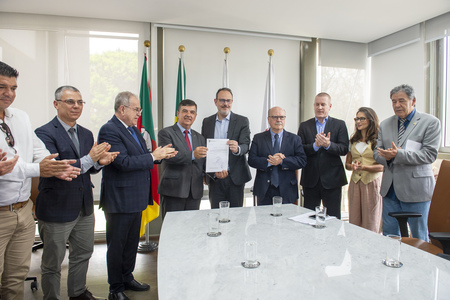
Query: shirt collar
{"points": [[411, 115], [227, 117], [182, 128], [272, 134], [8, 113], [66, 127], [324, 120]]}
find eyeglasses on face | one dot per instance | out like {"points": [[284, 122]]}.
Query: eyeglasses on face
{"points": [[72, 102], [362, 119], [228, 101], [136, 109], [9, 137], [277, 117]]}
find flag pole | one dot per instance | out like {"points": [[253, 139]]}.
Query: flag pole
{"points": [[181, 48], [269, 95], [225, 79], [147, 245]]}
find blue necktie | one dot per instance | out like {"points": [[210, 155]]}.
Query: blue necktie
{"points": [[135, 136], [274, 177]]}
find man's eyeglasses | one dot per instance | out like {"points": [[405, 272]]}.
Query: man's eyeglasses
{"points": [[362, 119], [72, 102], [9, 137], [228, 101], [136, 109], [277, 117]]}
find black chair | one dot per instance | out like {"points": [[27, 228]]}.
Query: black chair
{"points": [[438, 217]]}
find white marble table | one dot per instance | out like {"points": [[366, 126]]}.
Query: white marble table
{"points": [[298, 261]]}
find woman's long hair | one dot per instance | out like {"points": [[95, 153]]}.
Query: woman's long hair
{"points": [[372, 129]]}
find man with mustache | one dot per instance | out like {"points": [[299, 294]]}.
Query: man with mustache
{"points": [[229, 184], [181, 183], [276, 154]]}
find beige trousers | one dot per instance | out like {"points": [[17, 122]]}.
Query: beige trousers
{"points": [[365, 204], [17, 230]]}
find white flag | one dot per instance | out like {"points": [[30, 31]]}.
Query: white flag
{"points": [[269, 96]]}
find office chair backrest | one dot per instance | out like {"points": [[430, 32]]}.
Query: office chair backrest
{"points": [[439, 215]]}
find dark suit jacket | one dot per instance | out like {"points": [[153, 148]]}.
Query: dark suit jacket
{"points": [[239, 131], [181, 174], [324, 164], [59, 200], [292, 148], [126, 182]]}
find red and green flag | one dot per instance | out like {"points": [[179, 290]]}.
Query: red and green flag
{"points": [[145, 125]]}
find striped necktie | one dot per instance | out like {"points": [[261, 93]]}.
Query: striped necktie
{"points": [[401, 129]]}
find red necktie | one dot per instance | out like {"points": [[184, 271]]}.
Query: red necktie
{"points": [[186, 136]]}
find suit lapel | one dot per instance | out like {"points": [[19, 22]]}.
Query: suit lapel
{"points": [[210, 127], [231, 125], [181, 137], [283, 142], [411, 126], [127, 134], [328, 125], [268, 141]]}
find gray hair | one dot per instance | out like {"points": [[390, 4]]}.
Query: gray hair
{"points": [[59, 91], [123, 98], [407, 89]]}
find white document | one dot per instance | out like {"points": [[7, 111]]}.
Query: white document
{"points": [[308, 218], [413, 146], [217, 156]]}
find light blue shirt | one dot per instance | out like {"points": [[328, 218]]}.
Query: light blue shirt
{"points": [[86, 161], [189, 136], [320, 127], [221, 129]]}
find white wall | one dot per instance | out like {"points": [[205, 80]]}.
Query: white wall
{"points": [[248, 68], [404, 65]]}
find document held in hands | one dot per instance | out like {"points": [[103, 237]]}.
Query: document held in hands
{"points": [[217, 157]]}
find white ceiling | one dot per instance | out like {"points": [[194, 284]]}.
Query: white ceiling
{"points": [[349, 20]]}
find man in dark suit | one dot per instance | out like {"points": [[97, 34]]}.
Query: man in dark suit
{"points": [[181, 183], [325, 140], [126, 192], [65, 208], [229, 184], [276, 154]]}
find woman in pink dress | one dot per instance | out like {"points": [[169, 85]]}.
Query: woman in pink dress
{"points": [[364, 199]]}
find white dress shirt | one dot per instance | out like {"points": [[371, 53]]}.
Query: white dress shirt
{"points": [[16, 186]]}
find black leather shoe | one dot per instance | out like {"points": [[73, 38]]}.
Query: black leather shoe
{"points": [[135, 285], [118, 296], [86, 295]]}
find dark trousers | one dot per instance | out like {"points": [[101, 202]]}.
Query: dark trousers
{"points": [[122, 238], [271, 192], [331, 199], [179, 204], [225, 190]]}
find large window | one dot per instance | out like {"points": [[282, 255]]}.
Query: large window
{"points": [[439, 88], [99, 57]]}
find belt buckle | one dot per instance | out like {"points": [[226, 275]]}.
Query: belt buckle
{"points": [[11, 208]]}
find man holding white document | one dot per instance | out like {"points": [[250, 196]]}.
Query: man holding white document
{"points": [[228, 184], [407, 145], [181, 183]]}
